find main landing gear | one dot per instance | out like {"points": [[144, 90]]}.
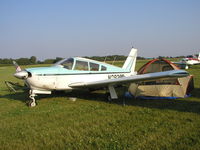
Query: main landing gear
{"points": [[33, 93], [112, 93]]}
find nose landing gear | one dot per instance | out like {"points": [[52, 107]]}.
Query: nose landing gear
{"points": [[32, 102]]}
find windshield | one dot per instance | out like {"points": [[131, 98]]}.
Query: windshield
{"points": [[66, 63]]}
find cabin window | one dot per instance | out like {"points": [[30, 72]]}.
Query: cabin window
{"points": [[81, 65], [68, 63], [103, 68], [94, 67]]}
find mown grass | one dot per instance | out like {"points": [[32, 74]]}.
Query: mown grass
{"points": [[93, 123]]}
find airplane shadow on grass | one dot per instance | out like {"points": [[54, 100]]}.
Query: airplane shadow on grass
{"points": [[19, 96], [182, 105]]}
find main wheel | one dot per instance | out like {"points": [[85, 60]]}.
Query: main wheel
{"points": [[109, 98]]}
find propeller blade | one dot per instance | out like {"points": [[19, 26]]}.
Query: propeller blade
{"points": [[18, 68]]}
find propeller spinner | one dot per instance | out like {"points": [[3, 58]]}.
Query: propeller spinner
{"points": [[21, 74]]}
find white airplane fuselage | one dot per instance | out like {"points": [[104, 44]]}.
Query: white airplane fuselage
{"points": [[62, 82], [73, 71]]}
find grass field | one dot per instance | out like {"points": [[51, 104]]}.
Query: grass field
{"points": [[93, 123]]}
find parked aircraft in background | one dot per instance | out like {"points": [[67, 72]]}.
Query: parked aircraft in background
{"points": [[191, 60], [188, 61], [81, 73]]}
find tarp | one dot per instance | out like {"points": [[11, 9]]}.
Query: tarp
{"points": [[171, 88]]}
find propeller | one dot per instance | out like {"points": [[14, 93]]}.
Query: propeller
{"points": [[20, 74]]}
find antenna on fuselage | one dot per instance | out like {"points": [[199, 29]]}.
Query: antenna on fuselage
{"points": [[114, 60], [132, 45], [105, 59]]}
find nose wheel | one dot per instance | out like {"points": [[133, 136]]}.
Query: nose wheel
{"points": [[32, 102]]}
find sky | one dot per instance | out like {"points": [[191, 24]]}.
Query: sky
{"points": [[66, 28]]}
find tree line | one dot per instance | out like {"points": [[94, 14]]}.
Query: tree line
{"points": [[33, 60], [22, 61], [28, 61]]}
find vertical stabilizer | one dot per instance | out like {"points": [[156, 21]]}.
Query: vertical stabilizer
{"points": [[199, 56], [131, 61]]}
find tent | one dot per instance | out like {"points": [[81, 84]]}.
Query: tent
{"points": [[162, 88]]}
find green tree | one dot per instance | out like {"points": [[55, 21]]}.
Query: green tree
{"points": [[49, 61], [33, 60], [23, 61]]}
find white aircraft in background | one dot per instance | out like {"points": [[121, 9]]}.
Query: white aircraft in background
{"points": [[188, 61], [191, 60], [81, 73]]}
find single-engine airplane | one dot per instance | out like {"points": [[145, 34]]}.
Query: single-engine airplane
{"points": [[191, 60], [188, 61], [81, 73]]}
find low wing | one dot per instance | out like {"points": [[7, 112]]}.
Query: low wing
{"points": [[179, 63], [134, 78]]}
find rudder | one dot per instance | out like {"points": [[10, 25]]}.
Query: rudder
{"points": [[131, 61]]}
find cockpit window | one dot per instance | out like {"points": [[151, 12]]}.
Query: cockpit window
{"points": [[81, 65], [68, 64], [103, 68], [94, 67]]}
